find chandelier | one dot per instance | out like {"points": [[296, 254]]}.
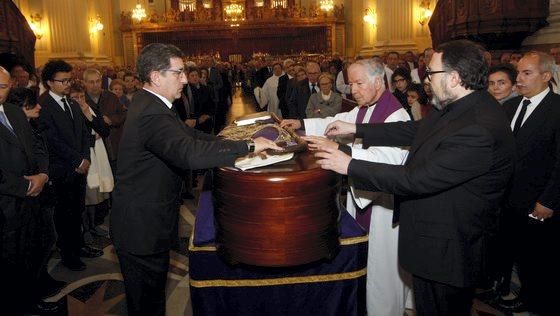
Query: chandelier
{"points": [[207, 4], [279, 4], [139, 13], [326, 5], [234, 12], [187, 5]]}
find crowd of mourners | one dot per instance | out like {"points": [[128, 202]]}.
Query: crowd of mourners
{"points": [[78, 110]]}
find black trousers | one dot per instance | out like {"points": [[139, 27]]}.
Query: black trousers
{"points": [[69, 205], [512, 222], [438, 299], [145, 278], [539, 271]]}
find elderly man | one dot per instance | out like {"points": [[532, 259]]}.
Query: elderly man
{"points": [[386, 292], [535, 187], [299, 96], [448, 191], [156, 149]]}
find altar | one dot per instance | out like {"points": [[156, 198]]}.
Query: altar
{"points": [[326, 287]]}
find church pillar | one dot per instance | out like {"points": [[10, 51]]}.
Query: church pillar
{"points": [[394, 26], [548, 36]]}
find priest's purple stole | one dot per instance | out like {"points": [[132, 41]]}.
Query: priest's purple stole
{"points": [[385, 106]]}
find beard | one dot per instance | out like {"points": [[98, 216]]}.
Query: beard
{"points": [[445, 96]]}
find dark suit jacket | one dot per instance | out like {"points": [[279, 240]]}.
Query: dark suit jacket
{"points": [[281, 93], [537, 165], [297, 102], [68, 143], [110, 106], [449, 189], [156, 148], [21, 154], [215, 83]]}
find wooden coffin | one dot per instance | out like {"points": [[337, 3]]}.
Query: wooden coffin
{"points": [[276, 216]]}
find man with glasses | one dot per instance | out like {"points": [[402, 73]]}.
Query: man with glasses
{"points": [[69, 143], [299, 96], [448, 190], [156, 149]]}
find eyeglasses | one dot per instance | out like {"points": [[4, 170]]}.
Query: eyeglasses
{"points": [[429, 73], [66, 81], [177, 72], [399, 80]]}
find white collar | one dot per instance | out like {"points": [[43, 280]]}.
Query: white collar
{"points": [[167, 103], [537, 99]]}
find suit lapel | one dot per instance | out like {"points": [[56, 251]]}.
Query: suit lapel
{"points": [[19, 128], [7, 135], [533, 123]]}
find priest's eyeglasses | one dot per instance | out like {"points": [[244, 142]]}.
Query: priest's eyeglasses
{"points": [[429, 73]]}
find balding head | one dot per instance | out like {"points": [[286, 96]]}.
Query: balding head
{"points": [[313, 71], [5, 84]]}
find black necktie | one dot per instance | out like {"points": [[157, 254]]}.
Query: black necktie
{"points": [[313, 88], [521, 116]]}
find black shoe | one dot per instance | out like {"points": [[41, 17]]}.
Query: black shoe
{"points": [[515, 305], [45, 308], [90, 252], [50, 287], [73, 263]]}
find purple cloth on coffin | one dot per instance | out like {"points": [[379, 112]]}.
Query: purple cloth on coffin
{"points": [[269, 132], [335, 287]]}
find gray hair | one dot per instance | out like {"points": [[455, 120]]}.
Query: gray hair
{"points": [[287, 62], [546, 61], [373, 68], [91, 71]]}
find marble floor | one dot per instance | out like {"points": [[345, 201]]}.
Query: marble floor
{"points": [[98, 290]]}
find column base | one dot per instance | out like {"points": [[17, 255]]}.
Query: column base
{"points": [[397, 46], [42, 57]]}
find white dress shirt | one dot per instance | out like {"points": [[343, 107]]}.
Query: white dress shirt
{"points": [[535, 101]]}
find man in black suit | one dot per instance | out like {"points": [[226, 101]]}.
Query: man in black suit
{"points": [[448, 191], [297, 102], [535, 187], [156, 148], [69, 143], [283, 85], [23, 174]]}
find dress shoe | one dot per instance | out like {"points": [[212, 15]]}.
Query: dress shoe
{"points": [[99, 231], [515, 305], [90, 252], [50, 287], [45, 308], [73, 263]]}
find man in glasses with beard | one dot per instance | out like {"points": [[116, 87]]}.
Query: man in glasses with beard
{"points": [[448, 190]]}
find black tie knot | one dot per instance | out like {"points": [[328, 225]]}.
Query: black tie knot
{"points": [[521, 116]]}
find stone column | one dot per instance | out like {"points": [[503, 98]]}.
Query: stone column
{"points": [[394, 26], [68, 25], [548, 36]]}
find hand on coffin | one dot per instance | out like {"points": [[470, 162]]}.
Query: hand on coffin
{"points": [[333, 159], [315, 142], [262, 143], [294, 124], [340, 128]]}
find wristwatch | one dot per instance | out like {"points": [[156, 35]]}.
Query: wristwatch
{"points": [[251, 146]]}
